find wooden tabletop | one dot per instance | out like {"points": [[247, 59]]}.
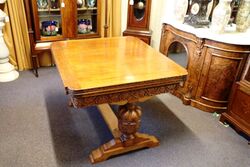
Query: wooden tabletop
{"points": [[103, 62]]}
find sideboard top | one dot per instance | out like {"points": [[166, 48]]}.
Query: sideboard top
{"points": [[230, 35]]}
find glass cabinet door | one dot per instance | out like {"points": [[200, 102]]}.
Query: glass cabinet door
{"points": [[87, 15], [49, 18]]}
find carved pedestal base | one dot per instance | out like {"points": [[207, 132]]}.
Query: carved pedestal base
{"points": [[116, 146], [124, 131]]}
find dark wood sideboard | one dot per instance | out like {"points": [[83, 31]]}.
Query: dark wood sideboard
{"points": [[213, 67]]}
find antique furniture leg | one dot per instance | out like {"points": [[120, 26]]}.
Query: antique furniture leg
{"points": [[52, 60], [124, 130], [35, 65]]}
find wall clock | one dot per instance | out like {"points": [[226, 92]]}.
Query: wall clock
{"points": [[138, 20]]}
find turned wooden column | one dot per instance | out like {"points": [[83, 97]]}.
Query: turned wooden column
{"points": [[129, 119]]}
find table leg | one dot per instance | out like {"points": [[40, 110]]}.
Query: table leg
{"points": [[129, 118]]}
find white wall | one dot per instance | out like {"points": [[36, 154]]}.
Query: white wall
{"points": [[160, 10]]}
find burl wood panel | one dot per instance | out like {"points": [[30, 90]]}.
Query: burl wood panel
{"points": [[238, 112], [220, 71], [212, 67], [220, 84]]}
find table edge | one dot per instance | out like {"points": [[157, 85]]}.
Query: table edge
{"points": [[126, 92]]}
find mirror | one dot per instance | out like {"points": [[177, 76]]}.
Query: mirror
{"points": [[139, 9], [177, 53]]}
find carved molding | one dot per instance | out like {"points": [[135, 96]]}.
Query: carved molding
{"points": [[199, 46], [227, 50], [129, 96], [179, 33], [163, 31]]}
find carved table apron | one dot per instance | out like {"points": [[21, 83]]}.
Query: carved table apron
{"points": [[113, 73]]}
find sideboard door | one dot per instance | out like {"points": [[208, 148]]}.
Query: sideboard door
{"points": [[220, 70]]}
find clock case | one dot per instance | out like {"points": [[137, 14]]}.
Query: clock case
{"points": [[198, 18], [138, 20]]}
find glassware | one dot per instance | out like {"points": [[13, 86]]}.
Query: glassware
{"points": [[42, 4], [91, 3], [49, 28], [80, 3]]}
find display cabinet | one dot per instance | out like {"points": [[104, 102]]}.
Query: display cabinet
{"points": [[52, 20]]}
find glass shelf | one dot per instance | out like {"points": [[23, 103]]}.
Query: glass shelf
{"points": [[86, 8], [47, 10], [50, 16]]}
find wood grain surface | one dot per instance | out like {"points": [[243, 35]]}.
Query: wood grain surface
{"points": [[97, 63]]}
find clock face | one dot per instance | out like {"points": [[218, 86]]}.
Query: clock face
{"points": [[195, 8], [139, 9]]}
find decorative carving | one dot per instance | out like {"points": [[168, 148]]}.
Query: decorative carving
{"points": [[116, 146], [129, 119], [129, 96], [188, 95], [163, 32], [199, 46]]}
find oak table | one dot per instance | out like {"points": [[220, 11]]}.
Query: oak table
{"points": [[121, 70]]}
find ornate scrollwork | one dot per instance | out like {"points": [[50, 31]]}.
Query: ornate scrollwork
{"points": [[199, 46], [164, 31], [129, 96]]}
